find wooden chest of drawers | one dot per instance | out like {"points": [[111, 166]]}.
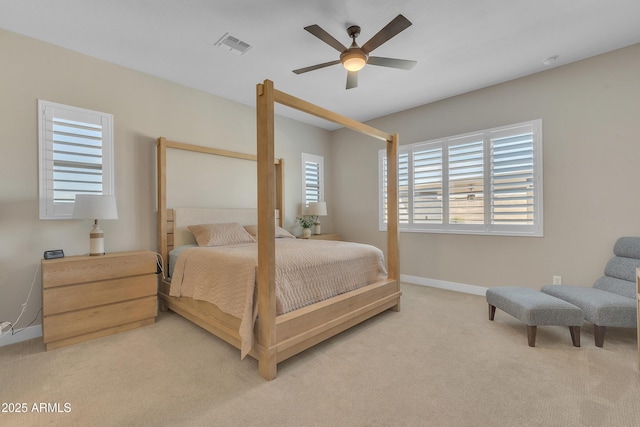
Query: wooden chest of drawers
{"points": [[87, 297]]}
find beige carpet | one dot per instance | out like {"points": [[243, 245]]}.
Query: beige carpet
{"points": [[438, 362]]}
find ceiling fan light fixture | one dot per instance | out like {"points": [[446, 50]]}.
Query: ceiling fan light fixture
{"points": [[353, 60]]}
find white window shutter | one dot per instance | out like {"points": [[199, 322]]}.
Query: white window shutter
{"points": [[428, 205], [312, 178], [512, 176], [485, 182], [76, 156], [466, 180]]}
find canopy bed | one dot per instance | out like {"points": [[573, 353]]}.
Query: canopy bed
{"points": [[278, 333]]}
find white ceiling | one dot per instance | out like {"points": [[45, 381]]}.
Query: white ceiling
{"points": [[460, 45]]}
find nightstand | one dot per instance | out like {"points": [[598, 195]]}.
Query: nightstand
{"points": [[325, 236], [87, 297]]}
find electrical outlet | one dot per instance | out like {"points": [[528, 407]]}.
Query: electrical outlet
{"points": [[557, 280], [4, 325]]}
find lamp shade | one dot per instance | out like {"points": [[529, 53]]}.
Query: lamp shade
{"points": [[95, 206], [317, 208]]}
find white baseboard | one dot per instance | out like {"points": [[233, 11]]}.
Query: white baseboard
{"points": [[25, 334], [442, 284]]}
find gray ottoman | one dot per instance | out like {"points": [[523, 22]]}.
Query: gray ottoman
{"points": [[535, 308]]}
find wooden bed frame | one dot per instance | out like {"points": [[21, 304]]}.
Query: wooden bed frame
{"points": [[278, 337]]}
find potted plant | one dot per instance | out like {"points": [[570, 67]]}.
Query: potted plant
{"points": [[306, 222]]}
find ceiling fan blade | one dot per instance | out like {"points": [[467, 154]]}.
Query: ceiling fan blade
{"points": [[352, 79], [316, 67], [403, 64], [325, 37], [393, 28]]}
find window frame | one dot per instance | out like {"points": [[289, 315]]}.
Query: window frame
{"points": [[49, 208], [319, 160], [488, 227]]}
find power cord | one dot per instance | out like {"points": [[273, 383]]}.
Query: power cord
{"points": [[24, 307], [16, 332], [160, 264]]}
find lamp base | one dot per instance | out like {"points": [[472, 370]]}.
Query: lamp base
{"points": [[316, 228], [96, 240]]}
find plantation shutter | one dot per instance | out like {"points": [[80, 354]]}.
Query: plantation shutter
{"points": [[404, 202], [427, 184], [466, 180], [512, 176], [403, 188], [312, 178], [76, 157], [382, 194], [484, 182]]}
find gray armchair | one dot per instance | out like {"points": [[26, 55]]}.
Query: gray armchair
{"points": [[611, 302]]}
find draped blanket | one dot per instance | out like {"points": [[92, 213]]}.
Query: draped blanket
{"points": [[307, 271]]}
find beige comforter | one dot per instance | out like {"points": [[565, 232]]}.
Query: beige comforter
{"points": [[307, 271]]}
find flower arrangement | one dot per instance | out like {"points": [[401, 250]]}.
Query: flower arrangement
{"points": [[306, 221]]}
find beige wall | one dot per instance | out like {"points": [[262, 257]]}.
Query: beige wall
{"points": [[591, 126], [144, 108]]}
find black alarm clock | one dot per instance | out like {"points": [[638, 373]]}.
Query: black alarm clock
{"points": [[53, 254]]}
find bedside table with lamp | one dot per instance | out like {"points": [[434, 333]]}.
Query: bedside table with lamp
{"points": [[91, 296], [315, 210]]}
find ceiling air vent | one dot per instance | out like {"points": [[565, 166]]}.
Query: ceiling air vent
{"points": [[233, 44]]}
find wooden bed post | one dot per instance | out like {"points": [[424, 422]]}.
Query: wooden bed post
{"points": [[267, 351], [393, 258], [162, 201], [280, 190]]}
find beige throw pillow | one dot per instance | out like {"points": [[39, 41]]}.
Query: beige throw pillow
{"points": [[220, 234], [281, 233]]}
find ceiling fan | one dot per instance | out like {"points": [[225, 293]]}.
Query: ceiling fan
{"points": [[355, 57]]}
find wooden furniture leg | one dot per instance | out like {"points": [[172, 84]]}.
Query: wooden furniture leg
{"points": [[267, 363], [598, 332], [162, 307], [492, 312], [531, 335], [575, 335]]}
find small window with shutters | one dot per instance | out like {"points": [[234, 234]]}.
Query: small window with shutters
{"points": [[312, 179], [486, 182], [75, 156]]}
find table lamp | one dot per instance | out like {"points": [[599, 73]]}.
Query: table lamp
{"points": [[317, 209], [95, 207]]}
